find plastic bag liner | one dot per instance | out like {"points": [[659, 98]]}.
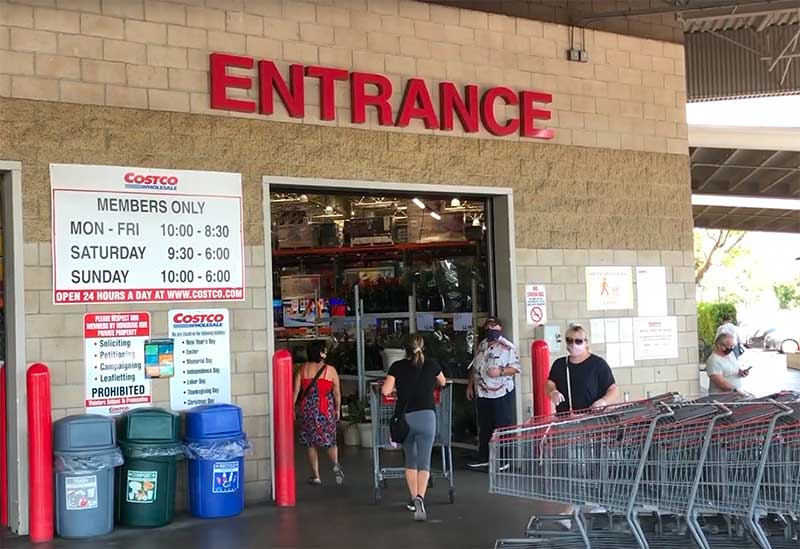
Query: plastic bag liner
{"points": [[218, 449], [147, 451], [88, 464]]}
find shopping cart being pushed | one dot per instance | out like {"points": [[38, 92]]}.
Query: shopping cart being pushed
{"points": [[382, 409]]}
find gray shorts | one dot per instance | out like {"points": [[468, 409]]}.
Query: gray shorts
{"points": [[419, 442]]}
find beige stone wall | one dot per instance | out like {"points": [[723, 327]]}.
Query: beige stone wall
{"points": [[563, 272], [565, 196], [153, 54]]}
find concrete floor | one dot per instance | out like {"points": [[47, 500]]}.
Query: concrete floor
{"points": [[339, 517]]}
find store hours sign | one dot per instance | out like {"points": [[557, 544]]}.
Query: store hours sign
{"points": [[124, 234]]}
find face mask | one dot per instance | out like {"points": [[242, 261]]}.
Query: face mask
{"points": [[576, 350], [727, 351], [492, 335]]}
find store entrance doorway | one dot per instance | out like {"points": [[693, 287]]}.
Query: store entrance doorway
{"points": [[361, 264]]}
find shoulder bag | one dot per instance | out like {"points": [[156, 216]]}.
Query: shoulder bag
{"points": [[398, 426], [305, 391]]}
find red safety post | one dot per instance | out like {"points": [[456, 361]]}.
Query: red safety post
{"points": [[3, 450], [540, 361], [283, 413], [40, 454]]}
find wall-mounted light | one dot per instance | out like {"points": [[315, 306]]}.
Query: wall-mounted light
{"points": [[328, 209], [455, 203], [436, 216], [476, 222], [419, 203]]}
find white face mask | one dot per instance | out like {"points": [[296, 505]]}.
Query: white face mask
{"points": [[576, 350]]}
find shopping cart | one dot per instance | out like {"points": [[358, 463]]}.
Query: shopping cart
{"points": [[592, 460], [734, 460], [382, 409]]}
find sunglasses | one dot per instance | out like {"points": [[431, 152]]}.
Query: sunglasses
{"points": [[577, 341]]}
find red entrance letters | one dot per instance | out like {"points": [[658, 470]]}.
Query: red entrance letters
{"points": [[374, 90]]}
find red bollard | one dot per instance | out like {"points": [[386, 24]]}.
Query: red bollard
{"points": [[540, 361], [3, 451], [283, 412], [40, 454]]}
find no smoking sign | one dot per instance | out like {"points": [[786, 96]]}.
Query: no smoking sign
{"points": [[535, 304]]}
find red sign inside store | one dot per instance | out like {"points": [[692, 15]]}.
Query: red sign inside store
{"points": [[472, 106]]}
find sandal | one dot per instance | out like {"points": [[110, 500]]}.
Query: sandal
{"points": [[314, 481], [337, 470]]}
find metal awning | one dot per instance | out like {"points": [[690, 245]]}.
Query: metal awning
{"points": [[746, 172], [746, 219]]}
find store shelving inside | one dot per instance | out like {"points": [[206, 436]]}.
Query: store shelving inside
{"points": [[363, 271]]}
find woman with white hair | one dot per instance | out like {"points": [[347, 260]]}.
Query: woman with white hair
{"points": [[722, 366], [581, 380]]}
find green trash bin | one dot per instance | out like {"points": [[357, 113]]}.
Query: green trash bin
{"points": [[150, 441]]}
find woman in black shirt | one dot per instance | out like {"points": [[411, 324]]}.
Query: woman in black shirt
{"points": [[415, 379], [581, 380]]}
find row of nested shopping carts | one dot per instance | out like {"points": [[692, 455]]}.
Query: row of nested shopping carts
{"points": [[720, 470]]}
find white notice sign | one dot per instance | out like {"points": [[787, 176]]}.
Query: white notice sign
{"points": [[114, 362], [651, 291], [124, 234], [656, 337], [609, 288], [535, 304], [202, 358]]}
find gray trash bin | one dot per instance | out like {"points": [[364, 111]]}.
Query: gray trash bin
{"points": [[86, 452]]}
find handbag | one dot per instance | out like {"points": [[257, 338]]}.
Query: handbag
{"points": [[398, 426]]}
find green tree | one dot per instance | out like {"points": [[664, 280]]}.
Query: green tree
{"points": [[710, 244], [788, 294]]}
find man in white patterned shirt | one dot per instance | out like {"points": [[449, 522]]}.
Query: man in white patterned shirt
{"points": [[492, 381]]}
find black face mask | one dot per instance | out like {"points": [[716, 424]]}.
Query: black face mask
{"points": [[727, 351]]}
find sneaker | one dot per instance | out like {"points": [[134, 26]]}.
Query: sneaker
{"points": [[419, 509], [411, 506], [314, 481], [337, 471], [476, 466]]}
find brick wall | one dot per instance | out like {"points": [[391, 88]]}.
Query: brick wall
{"points": [[563, 272], [152, 54]]}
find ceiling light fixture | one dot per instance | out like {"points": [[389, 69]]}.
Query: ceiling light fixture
{"points": [[420, 204], [436, 216], [476, 222], [329, 209]]}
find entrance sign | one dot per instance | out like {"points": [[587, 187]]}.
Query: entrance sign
{"points": [[535, 304], [656, 338], [609, 288], [473, 108], [651, 291], [202, 357], [123, 235], [114, 362]]}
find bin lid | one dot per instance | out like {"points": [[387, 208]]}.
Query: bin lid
{"points": [[154, 426], [214, 421], [84, 433]]}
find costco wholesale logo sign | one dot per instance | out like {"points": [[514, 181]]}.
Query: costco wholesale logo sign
{"points": [[181, 320], [150, 182], [474, 108]]}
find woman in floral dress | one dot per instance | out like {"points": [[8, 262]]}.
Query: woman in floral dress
{"points": [[317, 386]]}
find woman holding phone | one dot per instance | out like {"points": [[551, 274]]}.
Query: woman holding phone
{"points": [[722, 366]]}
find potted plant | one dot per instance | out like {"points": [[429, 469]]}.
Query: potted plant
{"points": [[360, 416], [392, 350]]}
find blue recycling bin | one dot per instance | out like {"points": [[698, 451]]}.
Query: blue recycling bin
{"points": [[215, 445]]}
